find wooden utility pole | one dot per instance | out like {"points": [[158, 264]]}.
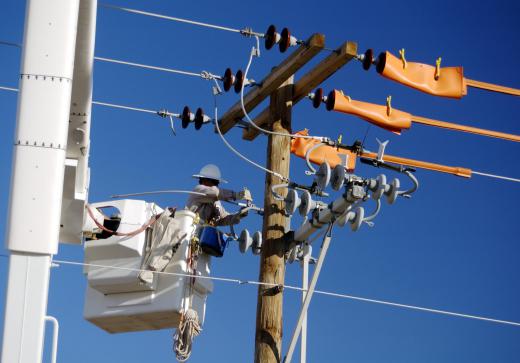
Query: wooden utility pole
{"points": [[284, 93], [268, 337]]}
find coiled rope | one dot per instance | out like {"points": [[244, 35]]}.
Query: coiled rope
{"points": [[189, 328]]}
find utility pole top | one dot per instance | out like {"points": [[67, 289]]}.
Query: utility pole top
{"points": [[273, 80], [308, 82]]}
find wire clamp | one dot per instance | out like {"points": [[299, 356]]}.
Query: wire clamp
{"points": [[209, 76], [248, 32], [165, 113]]}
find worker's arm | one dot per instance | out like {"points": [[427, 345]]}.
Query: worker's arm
{"points": [[212, 194], [226, 219]]}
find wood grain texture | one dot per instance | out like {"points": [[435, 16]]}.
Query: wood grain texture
{"points": [[268, 337]]}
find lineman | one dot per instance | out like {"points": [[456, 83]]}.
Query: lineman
{"points": [[208, 206]]}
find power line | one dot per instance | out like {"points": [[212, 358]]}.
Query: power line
{"points": [[124, 107], [419, 308], [114, 105], [496, 176], [9, 89], [166, 113], [204, 74], [296, 288], [11, 44], [246, 32]]}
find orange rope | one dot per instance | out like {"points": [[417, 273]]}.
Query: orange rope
{"points": [[455, 170], [463, 128], [492, 87]]}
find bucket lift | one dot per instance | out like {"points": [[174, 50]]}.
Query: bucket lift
{"points": [[122, 294]]}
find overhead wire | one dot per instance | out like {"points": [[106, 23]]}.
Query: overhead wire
{"points": [[172, 191], [11, 44], [9, 89], [99, 103], [246, 32], [419, 308], [294, 288], [203, 74], [496, 176], [123, 107], [113, 105]]}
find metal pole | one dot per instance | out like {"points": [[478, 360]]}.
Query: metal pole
{"points": [[26, 304], [55, 333], [37, 173], [77, 173], [305, 286], [305, 306]]}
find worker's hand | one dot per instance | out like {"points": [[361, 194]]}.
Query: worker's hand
{"points": [[240, 214], [244, 211], [245, 194]]}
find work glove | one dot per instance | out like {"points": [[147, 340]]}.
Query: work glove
{"points": [[240, 214], [244, 211], [245, 194]]}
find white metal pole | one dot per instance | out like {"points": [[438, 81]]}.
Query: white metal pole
{"points": [[77, 175], [26, 304], [37, 173], [55, 333], [305, 286], [305, 306]]}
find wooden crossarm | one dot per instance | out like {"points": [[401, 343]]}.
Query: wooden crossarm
{"points": [[308, 82], [273, 80]]}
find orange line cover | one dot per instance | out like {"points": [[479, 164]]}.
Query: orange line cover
{"points": [[323, 153], [330, 154], [375, 114], [450, 83]]}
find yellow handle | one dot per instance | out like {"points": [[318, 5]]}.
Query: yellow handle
{"points": [[389, 105], [438, 68], [401, 53]]}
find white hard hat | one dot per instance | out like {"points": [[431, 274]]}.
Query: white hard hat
{"points": [[210, 171]]}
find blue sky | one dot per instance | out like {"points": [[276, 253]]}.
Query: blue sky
{"points": [[453, 246]]}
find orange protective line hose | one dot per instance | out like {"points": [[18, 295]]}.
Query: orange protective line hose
{"points": [[379, 115], [398, 120], [492, 87], [422, 76], [455, 170], [463, 128]]}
